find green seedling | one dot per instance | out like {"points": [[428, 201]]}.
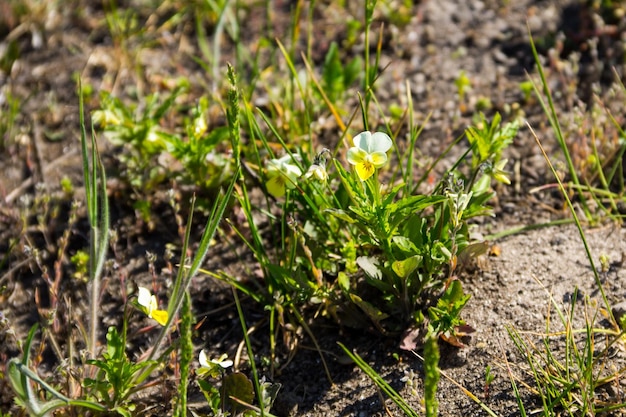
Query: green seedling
{"points": [[489, 378], [117, 377], [22, 377], [201, 152], [527, 89], [337, 77], [463, 86], [80, 260]]}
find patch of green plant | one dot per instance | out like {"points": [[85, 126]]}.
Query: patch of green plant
{"points": [[22, 378], [200, 151], [337, 77], [359, 246], [117, 377], [9, 110], [111, 380], [138, 130], [569, 380], [197, 148]]}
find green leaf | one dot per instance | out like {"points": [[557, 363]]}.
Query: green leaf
{"points": [[415, 203], [405, 267], [238, 386], [211, 394], [404, 244], [341, 215], [369, 309], [269, 392], [344, 281]]}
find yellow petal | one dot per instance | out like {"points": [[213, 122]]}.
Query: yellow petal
{"points": [[160, 316], [276, 186], [365, 170], [378, 159]]}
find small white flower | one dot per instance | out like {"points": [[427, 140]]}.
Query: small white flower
{"points": [[212, 366], [148, 304]]}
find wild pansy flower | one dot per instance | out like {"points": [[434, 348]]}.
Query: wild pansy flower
{"points": [[498, 173], [369, 152], [282, 173], [212, 367], [104, 118], [317, 170], [148, 304]]}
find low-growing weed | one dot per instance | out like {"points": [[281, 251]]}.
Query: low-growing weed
{"points": [[159, 144], [109, 381], [572, 379], [359, 248]]}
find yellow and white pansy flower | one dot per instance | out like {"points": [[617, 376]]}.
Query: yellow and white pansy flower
{"points": [[282, 174], [148, 304], [369, 152], [212, 367]]}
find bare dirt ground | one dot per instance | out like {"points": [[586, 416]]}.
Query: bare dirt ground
{"points": [[486, 39]]}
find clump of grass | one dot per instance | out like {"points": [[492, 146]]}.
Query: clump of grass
{"points": [[571, 379]]}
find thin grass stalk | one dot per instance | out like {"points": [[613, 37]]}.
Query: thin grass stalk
{"points": [[550, 111], [186, 355], [255, 375], [310, 30], [369, 6], [578, 226], [217, 38], [95, 192], [331, 107], [431, 374], [620, 153], [295, 78], [516, 392], [525, 350], [600, 173], [414, 134], [295, 28], [186, 274], [380, 382]]}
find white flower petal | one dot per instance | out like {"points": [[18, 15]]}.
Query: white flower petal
{"points": [[144, 298], [381, 142], [363, 141], [226, 364], [204, 362]]}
